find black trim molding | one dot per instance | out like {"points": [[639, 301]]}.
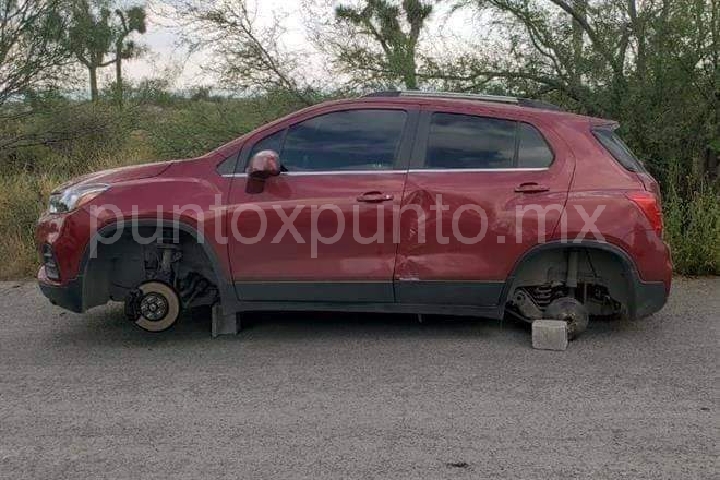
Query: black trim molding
{"points": [[298, 291]]}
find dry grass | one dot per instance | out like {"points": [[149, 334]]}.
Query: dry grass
{"points": [[692, 227], [24, 197]]}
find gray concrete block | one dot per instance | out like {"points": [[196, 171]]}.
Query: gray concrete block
{"points": [[222, 323], [549, 335]]}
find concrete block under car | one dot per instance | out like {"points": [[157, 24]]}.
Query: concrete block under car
{"points": [[549, 335], [222, 323]]}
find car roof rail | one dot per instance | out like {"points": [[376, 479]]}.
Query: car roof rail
{"points": [[519, 101]]}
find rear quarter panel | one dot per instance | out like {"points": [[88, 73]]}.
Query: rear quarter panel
{"points": [[598, 209]]}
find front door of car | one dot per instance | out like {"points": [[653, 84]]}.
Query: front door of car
{"points": [[322, 230], [487, 189]]}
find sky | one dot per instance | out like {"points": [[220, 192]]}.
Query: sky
{"points": [[167, 58]]}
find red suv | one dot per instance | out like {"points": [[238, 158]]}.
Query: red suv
{"points": [[394, 202]]}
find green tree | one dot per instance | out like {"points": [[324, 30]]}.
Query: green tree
{"points": [[130, 21], [245, 55], [384, 39], [651, 65], [31, 45], [96, 33]]}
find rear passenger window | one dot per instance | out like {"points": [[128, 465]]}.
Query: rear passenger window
{"points": [[533, 150], [459, 141], [463, 141]]}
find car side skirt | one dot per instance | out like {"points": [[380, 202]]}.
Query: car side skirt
{"points": [[430, 297], [444, 292], [493, 312], [302, 291]]}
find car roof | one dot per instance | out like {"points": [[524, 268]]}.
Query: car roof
{"points": [[530, 107]]}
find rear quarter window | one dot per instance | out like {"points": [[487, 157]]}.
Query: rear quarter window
{"points": [[612, 142]]}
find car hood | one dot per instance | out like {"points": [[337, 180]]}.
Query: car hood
{"points": [[116, 175]]}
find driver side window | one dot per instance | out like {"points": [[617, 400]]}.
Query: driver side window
{"points": [[272, 142], [344, 140]]}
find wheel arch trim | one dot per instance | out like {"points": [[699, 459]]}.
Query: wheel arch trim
{"points": [[633, 279], [228, 297]]}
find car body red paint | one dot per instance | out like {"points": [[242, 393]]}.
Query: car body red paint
{"points": [[401, 270]]}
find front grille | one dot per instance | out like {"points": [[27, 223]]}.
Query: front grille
{"points": [[51, 266]]}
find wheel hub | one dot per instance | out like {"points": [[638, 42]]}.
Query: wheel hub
{"points": [[154, 306], [572, 312]]}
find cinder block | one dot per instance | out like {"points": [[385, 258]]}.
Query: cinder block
{"points": [[549, 335], [222, 323]]}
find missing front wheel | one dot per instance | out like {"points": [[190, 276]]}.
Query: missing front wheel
{"points": [[154, 306]]}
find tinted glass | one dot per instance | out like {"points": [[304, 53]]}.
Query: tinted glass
{"points": [[228, 166], [462, 141], [348, 140], [271, 142], [533, 151], [617, 148]]}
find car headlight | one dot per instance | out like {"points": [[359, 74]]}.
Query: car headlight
{"points": [[75, 197]]}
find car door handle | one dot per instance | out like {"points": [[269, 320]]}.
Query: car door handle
{"points": [[375, 197], [531, 187]]}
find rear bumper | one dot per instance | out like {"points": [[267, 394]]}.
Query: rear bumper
{"points": [[651, 275], [68, 296]]}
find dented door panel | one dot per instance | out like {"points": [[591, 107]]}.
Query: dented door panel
{"points": [[463, 230]]}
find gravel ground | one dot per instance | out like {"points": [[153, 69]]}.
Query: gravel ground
{"points": [[357, 396]]}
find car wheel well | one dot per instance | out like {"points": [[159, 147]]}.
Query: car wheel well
{"points": [[114, 269], [600, 277]]}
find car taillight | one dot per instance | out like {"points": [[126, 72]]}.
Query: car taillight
{"points": [[649, 204]]}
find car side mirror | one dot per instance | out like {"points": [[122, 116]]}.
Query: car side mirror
{"points": [[263, 165]]}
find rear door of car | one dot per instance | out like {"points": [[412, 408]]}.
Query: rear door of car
{"points": [[485, 185], [327, 233]]}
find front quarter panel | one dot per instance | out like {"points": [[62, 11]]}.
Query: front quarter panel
{"points": [[196, 203], [191, 193]]}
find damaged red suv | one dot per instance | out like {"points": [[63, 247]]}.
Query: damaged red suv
{"points": [[394, 202]]}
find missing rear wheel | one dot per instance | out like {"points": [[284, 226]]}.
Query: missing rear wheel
{"points": [[572, 312]]}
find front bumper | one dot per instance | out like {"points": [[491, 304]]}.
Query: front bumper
{"points": [[67, 237], [63, 237], [68, 296]]}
